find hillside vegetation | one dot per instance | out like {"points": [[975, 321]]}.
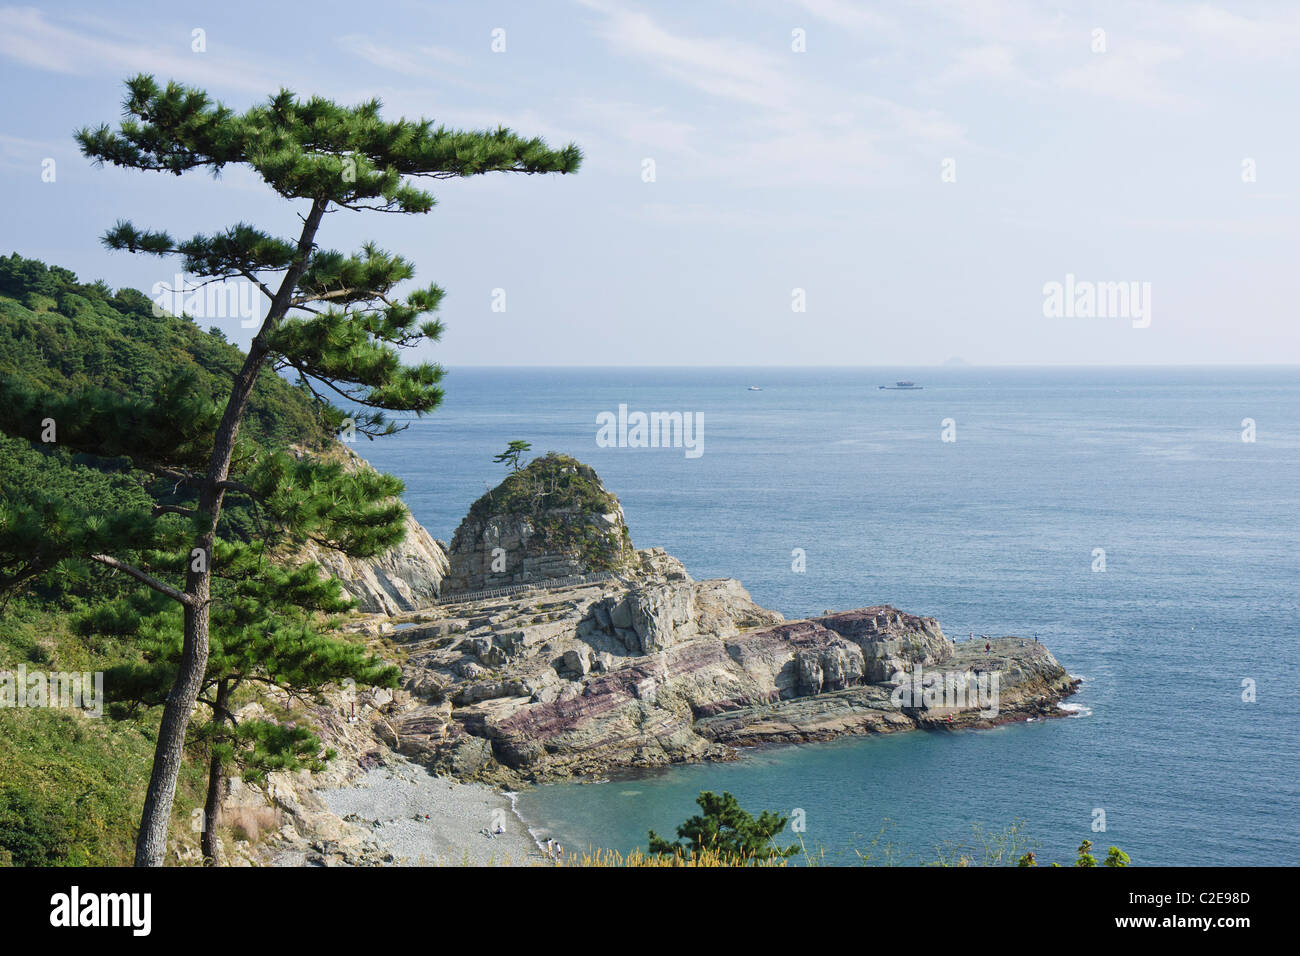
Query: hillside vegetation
{"points": [[72, 786]]}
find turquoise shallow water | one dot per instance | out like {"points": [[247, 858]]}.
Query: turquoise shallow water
{"points": [[992, 533]]}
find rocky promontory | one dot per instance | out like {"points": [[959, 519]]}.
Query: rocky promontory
{"points": [[643, 666], [548, 521]]}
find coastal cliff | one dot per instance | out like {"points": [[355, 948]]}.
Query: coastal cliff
{"points": [[404, 578]]}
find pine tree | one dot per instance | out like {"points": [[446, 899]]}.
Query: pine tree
{"points": [[512, 453], [334, 321], [728, 830], [268, 630]]}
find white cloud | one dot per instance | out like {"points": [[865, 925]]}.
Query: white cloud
{"points": [[1227, 32], [788, 128], [1128, 71], [849, 15], [422, 61], [27, 36], [980, 63]]}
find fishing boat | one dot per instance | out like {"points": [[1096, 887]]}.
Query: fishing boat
{"points": [[754, 388], [903, 387]]}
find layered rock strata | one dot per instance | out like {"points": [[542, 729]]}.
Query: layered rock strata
{"points": [[665, 669]]}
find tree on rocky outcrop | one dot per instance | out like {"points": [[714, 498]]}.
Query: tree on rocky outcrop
{"points": [[334, 321], [727, 830], [511, 455], [550, 519]]}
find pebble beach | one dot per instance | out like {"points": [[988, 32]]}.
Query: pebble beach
{"points": [[425, 820]]}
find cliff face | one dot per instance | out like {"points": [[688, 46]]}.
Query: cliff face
{"points": [[552, 519], [405, 578]]}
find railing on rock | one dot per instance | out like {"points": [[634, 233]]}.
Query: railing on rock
{"points": [[549, 584]]}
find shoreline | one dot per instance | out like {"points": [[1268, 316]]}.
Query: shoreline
{"points": [[1065, 710], [399, 813], [414, 818]]}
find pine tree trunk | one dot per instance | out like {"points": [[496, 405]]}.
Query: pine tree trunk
{"points": [[151, 841], [216, 779]]}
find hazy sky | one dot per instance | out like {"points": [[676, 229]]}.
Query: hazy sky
{"points": [[1116, 142]]}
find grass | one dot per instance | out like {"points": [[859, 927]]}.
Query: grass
{"points": [[81, 779]]}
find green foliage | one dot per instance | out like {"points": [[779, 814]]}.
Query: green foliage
{"points": [[1116, 857], [32, 833], [260, 747], [165, 402], [345, 156], [1085, 855], [726, 829], [119, 345], [268, 630], [86, 776], [305, 148], [58, 504], [353, 509]]}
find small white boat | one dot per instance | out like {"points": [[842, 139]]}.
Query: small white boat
{"points": [[754, 388]]}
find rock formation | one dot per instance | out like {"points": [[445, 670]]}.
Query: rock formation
{"points": [[551, 519], [650, 667], [644, 668], [405, 578]]}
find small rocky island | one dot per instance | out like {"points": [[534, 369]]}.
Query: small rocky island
{"points": [[557, 649]]}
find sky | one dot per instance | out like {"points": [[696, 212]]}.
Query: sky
{"points": [[771, 182]]}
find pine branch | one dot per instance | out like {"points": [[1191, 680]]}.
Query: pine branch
{"points": [[148, 579], [173, 510], [258, 282]]}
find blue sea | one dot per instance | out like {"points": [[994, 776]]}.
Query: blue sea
{"points": [[996, 532]]}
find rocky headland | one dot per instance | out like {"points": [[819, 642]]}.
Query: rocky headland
{"points": [[643, 666], [557, 650]]}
